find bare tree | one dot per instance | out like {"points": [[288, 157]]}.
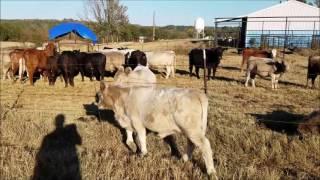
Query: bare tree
{"points": [[317, 3], [109, 15]]}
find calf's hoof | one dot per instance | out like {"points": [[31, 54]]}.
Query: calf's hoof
{"points": [[132, 146], [213, 176], [185, 158]]}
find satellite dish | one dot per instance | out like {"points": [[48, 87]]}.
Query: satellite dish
{"points": [[199, 25]]}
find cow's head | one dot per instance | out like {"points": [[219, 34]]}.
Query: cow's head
{"points": [[50, 49], [109, 95]]}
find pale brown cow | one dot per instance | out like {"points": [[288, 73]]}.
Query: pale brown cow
{"points": [[36, 60], [17, 62]]}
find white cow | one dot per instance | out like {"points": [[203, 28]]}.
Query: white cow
{"points": [[115, 60], [163, 110], [141, 75], [162, 59]]}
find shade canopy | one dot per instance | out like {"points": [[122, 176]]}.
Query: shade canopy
{"points": [[68, 27]]}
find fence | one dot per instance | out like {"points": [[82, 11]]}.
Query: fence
{"points": [[268, 32]]}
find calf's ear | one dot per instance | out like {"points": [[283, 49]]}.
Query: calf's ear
{"points": [[103, 86]]}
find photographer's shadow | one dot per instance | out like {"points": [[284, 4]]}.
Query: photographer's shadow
{"points": [[57, 157]]}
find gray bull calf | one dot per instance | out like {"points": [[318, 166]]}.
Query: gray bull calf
{"points": [[163, 110], [265, 67]]}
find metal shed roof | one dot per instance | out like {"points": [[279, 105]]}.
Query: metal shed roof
{"points": [[68, 27], [300, 16]]}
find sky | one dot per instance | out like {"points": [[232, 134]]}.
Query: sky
{"points": [[168, 12]]}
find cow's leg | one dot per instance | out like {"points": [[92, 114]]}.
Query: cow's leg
{"points": [[190, 70], [168, 69], [141, 131], [247, 80], [71, 81], [65, 77], [312, 82], [197, 72], [209, 72], [204, 145], [172, 71], [130, 141], [31, 72], [273, 79], [276, 86], [170, 140], [82, 75], [253, 82], [190, 148], [214, 70]]}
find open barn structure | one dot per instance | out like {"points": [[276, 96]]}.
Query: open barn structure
{"points": [[289, 24], [73, 36]]}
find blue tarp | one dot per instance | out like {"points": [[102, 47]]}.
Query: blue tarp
{"points": [[68, 27]]}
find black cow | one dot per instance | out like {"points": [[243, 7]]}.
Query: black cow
{"points": [[134, 58], [91, 64], [313, 69], [53, 69], [66, 65], [213, 57]]}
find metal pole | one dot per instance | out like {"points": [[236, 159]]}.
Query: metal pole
{"points": [[285, 39], [205, 71], [215, 32]]}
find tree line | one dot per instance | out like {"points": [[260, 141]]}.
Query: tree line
{"points": [[37, 31]]}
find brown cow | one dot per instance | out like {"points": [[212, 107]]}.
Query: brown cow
{"points": [[16, 58], [246, 53], [36, 60]]}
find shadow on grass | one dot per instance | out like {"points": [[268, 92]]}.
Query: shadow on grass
{"points": [[57, 157], [280, 121], [229, 79], [230, 68], [292, 84], [182, 72]]}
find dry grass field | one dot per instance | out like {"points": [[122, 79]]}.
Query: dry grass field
{"points": [[252, 131]]}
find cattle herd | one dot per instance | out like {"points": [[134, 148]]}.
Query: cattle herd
{"points": [[137, 102]]}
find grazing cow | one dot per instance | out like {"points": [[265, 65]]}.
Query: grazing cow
{"points": [[115, 60], [163, 110], [36, 60], [17, 62], [248, 52], [162, 59], [212, 56], [313, 69], [265, 67], [91, 64], [134, 58]]}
